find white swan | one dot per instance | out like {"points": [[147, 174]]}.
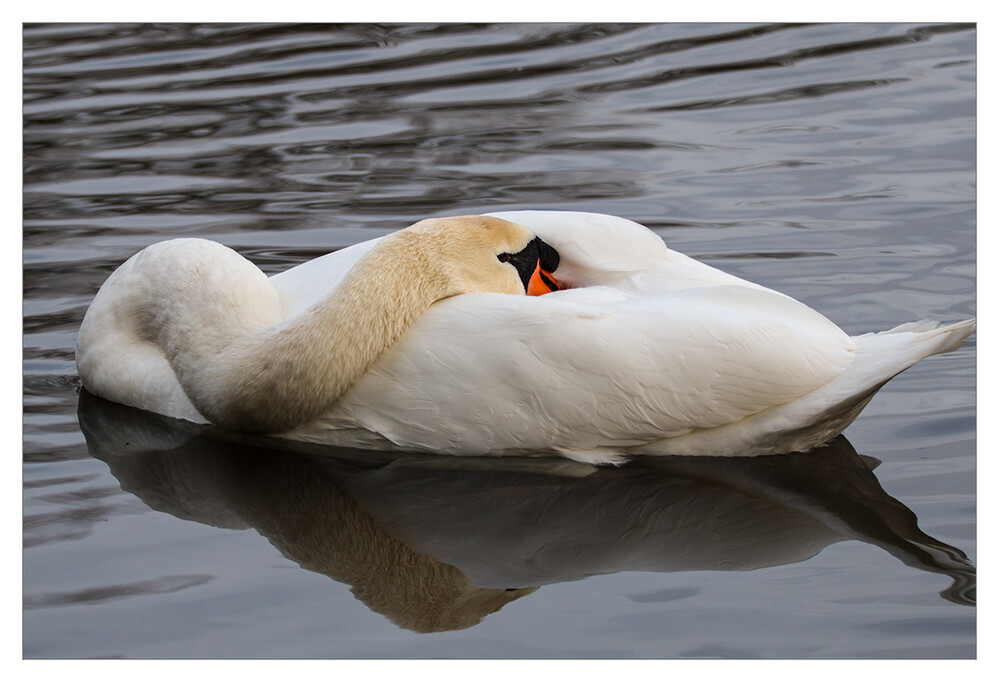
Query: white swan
{"points": [[646, 352]]}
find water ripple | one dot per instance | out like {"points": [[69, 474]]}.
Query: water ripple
{"points": [[835, 162], [97, 595]]}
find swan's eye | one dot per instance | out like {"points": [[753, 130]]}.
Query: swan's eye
{"points": [[504, 258]]}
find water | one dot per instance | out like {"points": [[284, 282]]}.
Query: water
{"points": [[835, 163]]}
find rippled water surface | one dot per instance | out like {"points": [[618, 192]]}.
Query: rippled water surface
{"points": [[835, 163]]}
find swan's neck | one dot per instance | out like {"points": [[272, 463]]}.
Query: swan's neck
{"points": [[267, 378]]}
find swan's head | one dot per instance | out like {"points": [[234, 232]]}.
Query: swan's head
{"points": [[480, 253]]}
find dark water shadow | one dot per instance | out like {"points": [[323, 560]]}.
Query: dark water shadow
{"points": [[438, 543]]}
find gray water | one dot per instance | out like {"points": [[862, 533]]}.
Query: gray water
{"points": [[835, 163]]}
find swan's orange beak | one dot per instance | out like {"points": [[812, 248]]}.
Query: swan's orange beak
{"points": [[543, 282]]}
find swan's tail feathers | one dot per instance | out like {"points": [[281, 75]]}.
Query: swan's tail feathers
{"points": [[952, 336], [881, 356], [914, 341], [823, 414], [957, 332]]}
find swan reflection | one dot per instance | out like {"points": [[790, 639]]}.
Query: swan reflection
{"points": [[438, 543]]}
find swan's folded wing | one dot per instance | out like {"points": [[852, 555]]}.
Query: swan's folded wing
{"points": [[588, 369]]}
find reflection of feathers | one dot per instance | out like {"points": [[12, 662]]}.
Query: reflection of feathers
{"points": [[437, 543], [310, 521]]}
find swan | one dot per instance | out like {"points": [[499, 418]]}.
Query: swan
{"points": [[633, 348]]}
